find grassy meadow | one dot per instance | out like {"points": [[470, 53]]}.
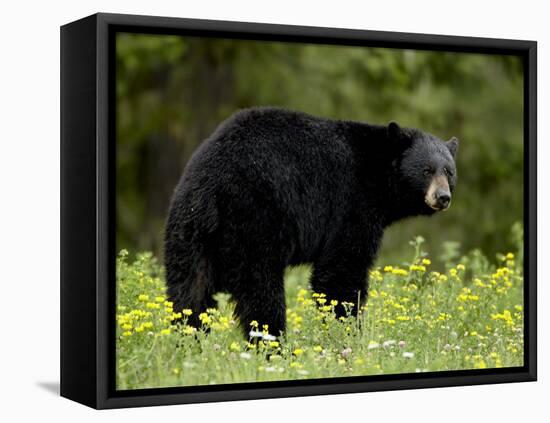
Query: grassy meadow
{"points": [[466, 316]]}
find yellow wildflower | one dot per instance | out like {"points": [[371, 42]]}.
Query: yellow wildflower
{"points": [[205, 318], [189, 330]]}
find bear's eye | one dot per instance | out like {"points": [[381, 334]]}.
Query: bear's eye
{"points": [[447, 172], [427, 171]]}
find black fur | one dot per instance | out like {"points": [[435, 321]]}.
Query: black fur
{"points": [[272, 188]]}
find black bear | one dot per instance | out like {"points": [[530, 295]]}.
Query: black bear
{"points": [[272, 188]]}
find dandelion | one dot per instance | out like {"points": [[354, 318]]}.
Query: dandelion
{"points": [[480, 364], [298, 352], [189, 330], [317, 348], [417, 268], [399, 272], [205, 318]]}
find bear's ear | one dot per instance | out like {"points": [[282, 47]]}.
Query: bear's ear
{"points": [[452, 145], [394, 130]]}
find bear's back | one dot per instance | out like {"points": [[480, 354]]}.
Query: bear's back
{"points": [[295, 165], [278, 147]]}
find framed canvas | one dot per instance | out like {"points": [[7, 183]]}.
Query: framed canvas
{"points": [[257, 211]]}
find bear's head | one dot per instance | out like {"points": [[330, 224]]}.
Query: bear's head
{"points": [[425, 168]]}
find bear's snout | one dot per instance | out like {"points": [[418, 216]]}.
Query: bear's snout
{"points": [[438, 196], [443, 199]]}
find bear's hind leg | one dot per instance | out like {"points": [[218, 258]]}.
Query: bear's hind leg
{"points": [[190, 281]]}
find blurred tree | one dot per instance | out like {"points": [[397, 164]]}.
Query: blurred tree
{"points": [[173, 91]]}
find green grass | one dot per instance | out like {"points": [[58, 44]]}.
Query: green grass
{"points": [[415, 320]]}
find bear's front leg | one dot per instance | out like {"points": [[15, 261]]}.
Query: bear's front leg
{"points": [[341, 283], [260, 297], [341, 273]]}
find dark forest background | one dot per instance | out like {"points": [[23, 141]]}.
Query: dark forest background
{"points": [[173, 91]]}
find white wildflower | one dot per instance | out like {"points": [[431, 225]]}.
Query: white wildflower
{"points": [[373, 345], [268, 337], [346, 352]]}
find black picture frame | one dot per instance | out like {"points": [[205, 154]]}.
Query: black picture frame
{"points": [[88, 220]]}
